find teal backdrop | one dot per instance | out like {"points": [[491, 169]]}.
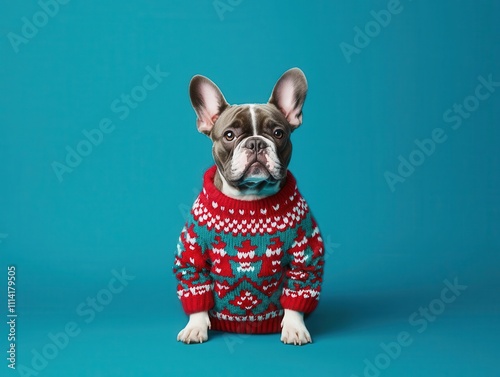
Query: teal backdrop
{"points": [[398, 157]]}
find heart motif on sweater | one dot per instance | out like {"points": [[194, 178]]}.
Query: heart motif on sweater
{"points": [[280, 226]]}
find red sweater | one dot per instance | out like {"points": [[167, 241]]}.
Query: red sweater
{"points": [[246, 261]]}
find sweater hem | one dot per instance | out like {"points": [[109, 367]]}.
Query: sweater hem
{"points": [[299, 305], [269, 326]]}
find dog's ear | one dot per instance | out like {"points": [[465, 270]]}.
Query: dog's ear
{"points": [[289, 95], [208, 102]]}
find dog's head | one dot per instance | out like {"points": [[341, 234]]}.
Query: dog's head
{"points": [[251, 142]]}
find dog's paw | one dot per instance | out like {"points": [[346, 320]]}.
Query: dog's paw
{"points": [[294, 330], [196, 331]]}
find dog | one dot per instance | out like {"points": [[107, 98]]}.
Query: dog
{"points": [[250, 257]]}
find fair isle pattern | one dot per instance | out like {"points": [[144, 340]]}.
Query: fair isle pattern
{"points": [[237, 221], [246, 261]]}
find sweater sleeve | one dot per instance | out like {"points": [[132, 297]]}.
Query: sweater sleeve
{"points": [[192, 270], [302, 286]]}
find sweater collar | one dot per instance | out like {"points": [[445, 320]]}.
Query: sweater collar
{"points": [[283, 199]]}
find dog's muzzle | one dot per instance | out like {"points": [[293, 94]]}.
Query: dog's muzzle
{"points": [[255, 162]]}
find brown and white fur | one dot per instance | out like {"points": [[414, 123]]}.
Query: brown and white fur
{"points": [[252, 150]]}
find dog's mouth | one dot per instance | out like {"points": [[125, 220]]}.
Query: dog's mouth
{"points": [[256, 177], [256, 171]]}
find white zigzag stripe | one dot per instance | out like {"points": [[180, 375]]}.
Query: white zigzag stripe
{"points": [[305, 293], [221, 252], [246, 318], [270, 252], [243, 268], [196, 290], [242, 255]]}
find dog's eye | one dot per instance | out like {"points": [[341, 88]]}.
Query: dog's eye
{"points": [[278, 133], [229, 135]]}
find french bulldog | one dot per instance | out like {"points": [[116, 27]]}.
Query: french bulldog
{"points": [[252, 150]]}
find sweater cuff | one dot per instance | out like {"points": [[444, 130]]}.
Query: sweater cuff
{"points": [[198, 303], [299, 304]]}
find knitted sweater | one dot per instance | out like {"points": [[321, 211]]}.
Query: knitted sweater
{"points": [[246, 261]]}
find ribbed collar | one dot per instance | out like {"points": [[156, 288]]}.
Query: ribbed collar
{"points": [[280, 202]]}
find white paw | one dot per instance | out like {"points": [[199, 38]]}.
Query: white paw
{"points": [[294, 330], [196, 331]]}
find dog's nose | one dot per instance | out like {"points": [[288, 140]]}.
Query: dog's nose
{"points": [[255, 144]]}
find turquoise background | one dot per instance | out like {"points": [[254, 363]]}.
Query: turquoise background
{"points": [[122, 207]]}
